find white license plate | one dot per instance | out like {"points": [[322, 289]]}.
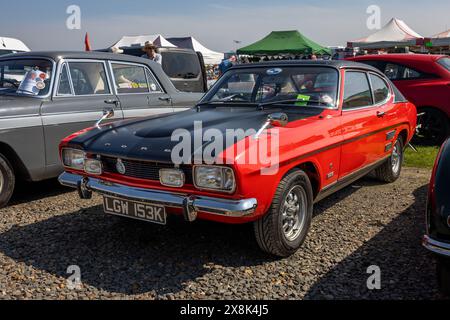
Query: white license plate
{"points": [[136, 210]]}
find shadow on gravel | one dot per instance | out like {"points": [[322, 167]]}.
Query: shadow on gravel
{"points": [[123, 256], [32, 191], [407, 270]]}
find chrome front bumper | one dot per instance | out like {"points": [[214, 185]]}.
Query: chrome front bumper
{"points": [[440, 248], [190, 204]]}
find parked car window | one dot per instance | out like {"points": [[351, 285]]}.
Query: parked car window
{"points": [[379, 88], [181, 65], [357, 90], [88, 78], [153, 84], [398, 72], [392, 71], [445, 62], [30, 77], [64, 82], [130, 78]]}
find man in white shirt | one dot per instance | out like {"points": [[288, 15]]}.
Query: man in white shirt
{"points": [[150, 52]]}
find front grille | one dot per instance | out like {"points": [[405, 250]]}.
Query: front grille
{"points": [[143, 169]]}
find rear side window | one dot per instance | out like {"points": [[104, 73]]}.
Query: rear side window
{"points": [[445, 62], [178, 65], [379, 88], [130, 78], [88, 78], [398, 72], [153, 84], [357, 90], [64, 82]]}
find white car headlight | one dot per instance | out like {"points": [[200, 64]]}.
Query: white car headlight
{"points": [[171, 177], [73, 158], [214, 178]]}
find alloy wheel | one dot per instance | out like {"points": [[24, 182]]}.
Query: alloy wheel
{"points": [[293, 213], [396, 158]]}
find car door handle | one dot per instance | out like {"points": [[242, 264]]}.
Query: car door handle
{"points": [[381, 114], [166, 99], [112, 101]]}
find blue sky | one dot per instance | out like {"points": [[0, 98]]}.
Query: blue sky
{"points": [[42, 24]]}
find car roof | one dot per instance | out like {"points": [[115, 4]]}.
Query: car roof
{"points": [[58, 55], [400, 57], [339, 64]]}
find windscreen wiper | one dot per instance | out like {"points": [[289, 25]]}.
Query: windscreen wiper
{"points": [[296, 102], [221, 101]]}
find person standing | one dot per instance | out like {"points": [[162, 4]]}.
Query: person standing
{"points": [[226, 64], [151, 52]]}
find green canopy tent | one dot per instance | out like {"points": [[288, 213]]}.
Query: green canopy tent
{"points": [[284, 42]]}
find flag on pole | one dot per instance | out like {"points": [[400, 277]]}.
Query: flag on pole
{"points": [[87, 44]]}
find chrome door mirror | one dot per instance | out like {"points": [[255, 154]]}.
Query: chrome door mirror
{"points": [[273, 120], [278, 119], [107, 114]]}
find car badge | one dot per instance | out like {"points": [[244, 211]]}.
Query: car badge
{"points": [[120, 167], [274, 71]]}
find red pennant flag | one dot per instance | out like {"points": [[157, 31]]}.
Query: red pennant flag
{"points": [[87, 44]]}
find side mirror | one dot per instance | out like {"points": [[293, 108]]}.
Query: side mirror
{"points": [[278, 119], [107, 114], [273, 120]]}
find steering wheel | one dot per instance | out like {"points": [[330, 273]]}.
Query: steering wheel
{"points": [[15, 83], [239, 97]]}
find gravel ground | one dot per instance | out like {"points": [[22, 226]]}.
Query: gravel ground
{"points": [[44, 231]]}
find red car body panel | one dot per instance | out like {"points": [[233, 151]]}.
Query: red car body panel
{"points": [[430, 91], [329, 147]]}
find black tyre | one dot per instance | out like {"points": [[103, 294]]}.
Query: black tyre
{"points": [[433, 127], [443, 275], [284, 228], [7, 181], [390, 171]]}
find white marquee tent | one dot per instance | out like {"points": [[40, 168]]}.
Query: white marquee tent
{"points": [[441, 39], [210, 57], [13, 45], [395, 33], [139, 41]]}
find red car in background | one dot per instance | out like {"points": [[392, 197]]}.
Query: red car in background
{"points": [[425, 81]]}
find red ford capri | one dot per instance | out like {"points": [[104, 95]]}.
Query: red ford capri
{"points": [[265, 144]]}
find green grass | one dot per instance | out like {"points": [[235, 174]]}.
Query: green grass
{"points": [[425, 158]]}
